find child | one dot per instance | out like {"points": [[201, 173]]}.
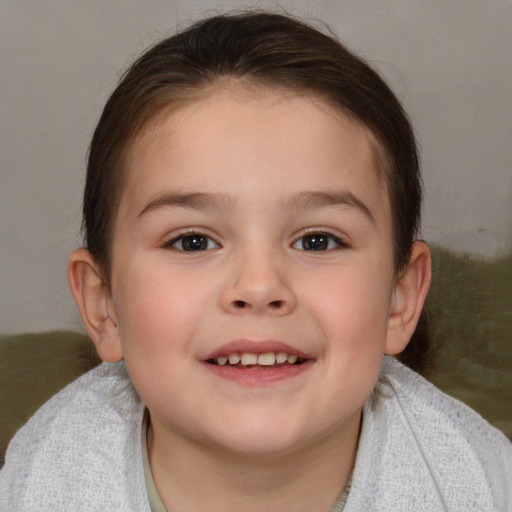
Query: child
{"points": [[250, 214]]}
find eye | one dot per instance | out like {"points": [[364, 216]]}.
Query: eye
{"points": [[192, 242], [319, 242]]}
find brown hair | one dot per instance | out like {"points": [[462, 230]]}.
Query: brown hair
{"points": [[270, 50]]}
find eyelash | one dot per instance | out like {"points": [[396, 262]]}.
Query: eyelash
{"points": [[182, 237], [340, 244], [322, 240]]}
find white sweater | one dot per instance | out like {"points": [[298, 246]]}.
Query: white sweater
{"points": [[419, 450]]}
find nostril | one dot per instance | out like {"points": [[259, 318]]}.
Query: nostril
{"points": [[242, 304]]}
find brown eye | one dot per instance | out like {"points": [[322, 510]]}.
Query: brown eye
{"points": [[318, 242], [192, 243]]}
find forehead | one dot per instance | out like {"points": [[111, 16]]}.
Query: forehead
{"points": [[238, 134]]}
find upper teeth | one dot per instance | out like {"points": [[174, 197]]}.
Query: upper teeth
{"points": [[248, 358]]}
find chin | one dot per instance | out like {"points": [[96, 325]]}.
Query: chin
{"points": [[267, 438], [260, 446]]}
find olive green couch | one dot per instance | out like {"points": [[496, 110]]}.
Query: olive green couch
{"points": [[469, 315]]}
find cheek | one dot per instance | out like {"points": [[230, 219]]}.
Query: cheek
{"points": [[157, 309], [354, 318], [157, 324], [352, 306]]}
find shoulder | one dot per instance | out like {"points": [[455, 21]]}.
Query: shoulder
{"points": [[84, 440], [432, 413], [97, 401], [420, 446]]}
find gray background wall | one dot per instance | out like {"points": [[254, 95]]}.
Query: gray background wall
{"points": [[449, 61]]}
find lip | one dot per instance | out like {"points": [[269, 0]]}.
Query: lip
{"points": [[257, 377], [256, 347]]}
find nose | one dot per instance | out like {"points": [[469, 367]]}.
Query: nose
{"points": [[258, 284]]}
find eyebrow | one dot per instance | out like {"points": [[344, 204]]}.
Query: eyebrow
{"points": [[315, 200], [195, 201], [300, 201]]}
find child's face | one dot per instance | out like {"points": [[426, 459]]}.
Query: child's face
{"points": [[254, 223]]}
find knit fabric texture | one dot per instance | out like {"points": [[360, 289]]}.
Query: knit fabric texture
{"points": [[419, 450]]}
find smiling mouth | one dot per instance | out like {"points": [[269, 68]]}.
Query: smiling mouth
{"points": [[253, 361]]}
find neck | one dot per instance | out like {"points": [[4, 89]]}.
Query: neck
{"points": [[192, 476]]}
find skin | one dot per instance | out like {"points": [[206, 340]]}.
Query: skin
{"points": [[277, 169]]}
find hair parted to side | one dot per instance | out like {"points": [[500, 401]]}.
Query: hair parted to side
{"points": [[260, 49]]}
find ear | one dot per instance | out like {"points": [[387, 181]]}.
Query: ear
{"points": [[409, 295], [94, 300]]}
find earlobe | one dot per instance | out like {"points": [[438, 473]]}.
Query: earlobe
{"points": [[409, 295], [94, 301]]}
